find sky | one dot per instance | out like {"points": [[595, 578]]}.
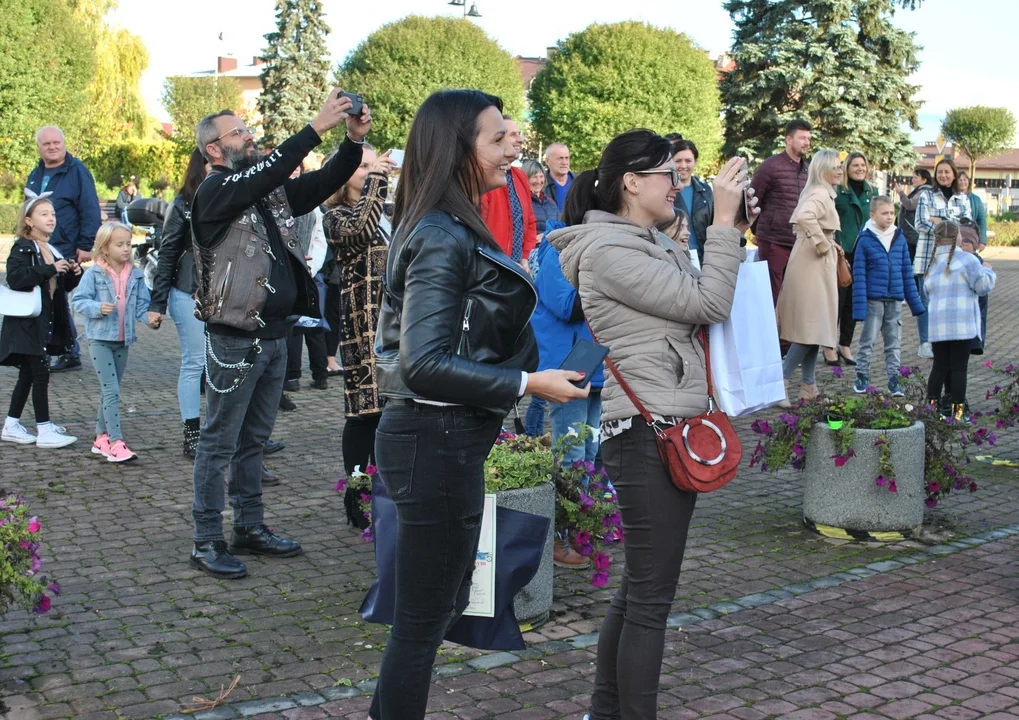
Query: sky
{"points": [[966, 56]]}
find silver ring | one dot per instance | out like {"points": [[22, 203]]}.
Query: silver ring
{"points": [[695, 456]]}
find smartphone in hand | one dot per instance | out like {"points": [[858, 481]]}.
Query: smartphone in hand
{"points": [[585, 357]]}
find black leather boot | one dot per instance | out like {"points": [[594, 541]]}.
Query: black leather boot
{"points": [[262, 541], [213, 557], [192, 431]]}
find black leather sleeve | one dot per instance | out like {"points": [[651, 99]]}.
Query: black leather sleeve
{"points": [[176, 239], [437, 267]]}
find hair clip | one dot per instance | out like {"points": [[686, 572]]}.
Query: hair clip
{"points": [[33, 198]]}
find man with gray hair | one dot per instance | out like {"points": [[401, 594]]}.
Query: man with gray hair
{"points": [[252, 277], [77, 208], [558, 179]]}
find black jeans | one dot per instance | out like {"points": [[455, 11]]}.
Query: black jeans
{"points": [[656, 517], [432, 461], [237, 424], [847, 326], [315, 339], [34, 377], [951, 360], [359, 441]]}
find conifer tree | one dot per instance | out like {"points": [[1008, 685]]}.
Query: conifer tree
{"points": [[296, 76], [839, 64]]}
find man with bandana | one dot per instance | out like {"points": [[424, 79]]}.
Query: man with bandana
{"points": [[251, 277]]}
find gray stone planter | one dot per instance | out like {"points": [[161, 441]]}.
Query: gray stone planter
{"points": [[534, 600], [846, 497]]}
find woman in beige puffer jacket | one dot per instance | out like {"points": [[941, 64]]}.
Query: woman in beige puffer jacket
{"points": [[645, 300]]}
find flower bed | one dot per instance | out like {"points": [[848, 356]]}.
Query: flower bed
{"points": [[20, 581]]}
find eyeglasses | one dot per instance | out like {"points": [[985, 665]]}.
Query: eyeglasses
{"points": [[671, 172], [234, 131]]}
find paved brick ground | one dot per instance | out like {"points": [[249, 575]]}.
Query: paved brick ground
{"points": [[137, 634]]}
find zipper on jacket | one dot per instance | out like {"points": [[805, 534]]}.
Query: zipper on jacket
{"points": [[222, 288], [466, 327]]}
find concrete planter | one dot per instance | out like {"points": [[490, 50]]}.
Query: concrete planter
{"points": [[847, 497], [534, 600]]}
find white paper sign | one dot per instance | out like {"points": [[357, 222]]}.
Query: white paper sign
{"points": [[482, 602]]}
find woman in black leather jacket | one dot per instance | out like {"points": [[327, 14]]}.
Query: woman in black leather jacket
{"points": [[454, 350], [174, 285]]}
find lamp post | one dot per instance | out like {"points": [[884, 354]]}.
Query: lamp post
{"points": [[473, 12]]}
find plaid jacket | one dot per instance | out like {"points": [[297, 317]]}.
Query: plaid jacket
{"points": [[954, 297]]}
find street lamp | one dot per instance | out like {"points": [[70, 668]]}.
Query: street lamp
{"points": [[473, 12]]}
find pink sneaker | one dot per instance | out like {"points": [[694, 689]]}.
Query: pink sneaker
{"points": [[119, 452], [102, 446]]}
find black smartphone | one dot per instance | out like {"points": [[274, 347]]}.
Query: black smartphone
{"points": [[585, 357], [358, 102]]}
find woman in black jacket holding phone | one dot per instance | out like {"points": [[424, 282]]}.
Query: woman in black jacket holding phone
{"points": [[174, 286], [455, 350]]}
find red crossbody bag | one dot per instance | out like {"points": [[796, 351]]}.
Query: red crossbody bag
{"points": [[702, 453]]}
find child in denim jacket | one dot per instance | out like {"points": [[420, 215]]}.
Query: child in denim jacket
{"points": [[112, 296]]}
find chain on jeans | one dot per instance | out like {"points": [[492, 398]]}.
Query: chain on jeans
{"points": [[242, 367]]}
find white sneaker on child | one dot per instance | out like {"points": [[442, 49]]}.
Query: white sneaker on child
{"points": [[53, 436], [15, 432]]}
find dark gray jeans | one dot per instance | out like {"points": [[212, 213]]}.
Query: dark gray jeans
{"points": [[237, 424], [656, 517]]}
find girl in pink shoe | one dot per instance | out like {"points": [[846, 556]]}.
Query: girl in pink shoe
{"points": [[112, 296]]}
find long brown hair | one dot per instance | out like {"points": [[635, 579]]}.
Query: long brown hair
{"points": [[193, 177], [27, 208], [955, 174], [440, 170]]}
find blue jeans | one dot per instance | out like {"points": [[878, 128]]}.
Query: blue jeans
{"points": [[583, 411], [884, 316], [922, 320], [237, 424], [534, 419], [432, 461], [191, 332], [109, 360]]}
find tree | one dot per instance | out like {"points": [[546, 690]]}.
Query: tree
{"points": [[189, 99], [115, 109], [40, 84], [980, 131], [608, 79], [840, 64], [399, 65], [296, 75]]}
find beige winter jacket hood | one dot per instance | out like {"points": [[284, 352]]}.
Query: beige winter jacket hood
{"points": [[645, 300]]}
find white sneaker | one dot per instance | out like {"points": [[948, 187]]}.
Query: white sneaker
{"points": [[925, 351], [15, 432], [53, 436]]}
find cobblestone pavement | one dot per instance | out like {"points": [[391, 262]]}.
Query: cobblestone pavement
{"points": [[771, 620]]}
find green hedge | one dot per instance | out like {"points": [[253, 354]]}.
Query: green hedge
{"points": [[8, 218], [1005, 233]]}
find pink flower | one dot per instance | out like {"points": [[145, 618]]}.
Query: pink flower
{"points": [[54, 587], [933, 487], [44, 604], [341, 485], [34, 525], [932, 502], [892, 487], [880, 481], [988, 364], [371, 470], [972, 487], [600, 578], [583, 537], [840, 460], [601, 561]]}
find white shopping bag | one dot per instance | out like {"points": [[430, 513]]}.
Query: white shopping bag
{"points": [[752, 255], [746, 363]]}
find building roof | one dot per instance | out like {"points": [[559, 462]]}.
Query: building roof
{"points": [[245, 71], [529, 67], [1008, 160]]}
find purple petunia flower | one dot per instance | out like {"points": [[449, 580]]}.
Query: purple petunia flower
{"points": [[44, 604], [933, 487], [367, 534], [880, 480], [341, 485], [840, 460], [583, 537], [892, 487], [972, 487], [612, 520], [600, 578], [932, 502], [905, 371], [54, 587], [601, 561], [837, 372], [586, 502], [762, 427], [789, 420]]}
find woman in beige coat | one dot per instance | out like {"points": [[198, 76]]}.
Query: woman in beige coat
{"points": [[646, 301], [808, 305]]}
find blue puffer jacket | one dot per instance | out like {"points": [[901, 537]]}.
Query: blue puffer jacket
{"points": [[74, 201], [554, 321], [880, 274]]}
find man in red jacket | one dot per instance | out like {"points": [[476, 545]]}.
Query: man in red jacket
{"points": [[510, 218], [777, 185]]}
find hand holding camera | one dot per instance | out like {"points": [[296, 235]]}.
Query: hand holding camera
{"points": [[61, 265]]}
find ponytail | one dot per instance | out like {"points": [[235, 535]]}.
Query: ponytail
{"points": [[580, 198]]}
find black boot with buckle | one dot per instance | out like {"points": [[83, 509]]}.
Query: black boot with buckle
{"points": [[192, 431]]}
